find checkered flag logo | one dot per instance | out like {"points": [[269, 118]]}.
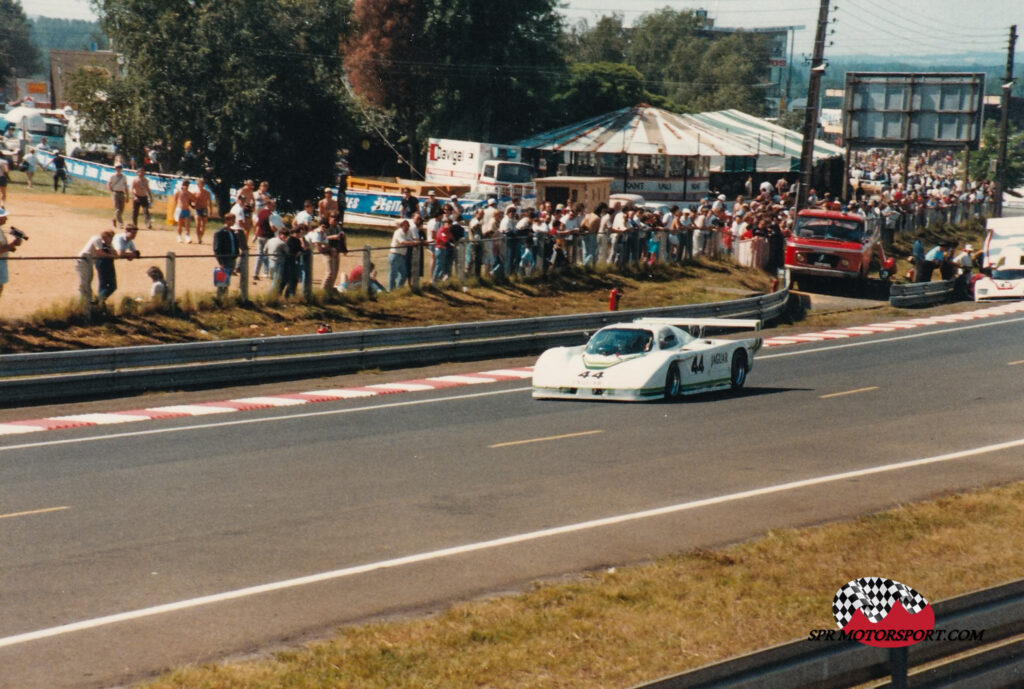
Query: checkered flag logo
{"points": [[874, 597]]}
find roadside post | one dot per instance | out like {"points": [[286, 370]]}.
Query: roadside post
{"points": [[169, 277], [366, 273]]}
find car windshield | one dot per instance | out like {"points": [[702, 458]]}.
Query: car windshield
{"points": [[1008, 274], [514, 173], [620, 341], [829, 228]]}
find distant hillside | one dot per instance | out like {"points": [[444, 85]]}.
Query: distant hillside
{"points": [[992, 64], [66, 34]]}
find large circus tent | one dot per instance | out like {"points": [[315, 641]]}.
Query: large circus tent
{"points": [[662, 154]]}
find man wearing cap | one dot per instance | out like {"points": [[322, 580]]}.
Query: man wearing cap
{"points": [[964, 264], [118, 187], [226, 248], [327, 205], [5, 248], [432, 208]]}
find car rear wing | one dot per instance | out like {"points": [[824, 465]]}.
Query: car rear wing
{"points": [[698, 327]]}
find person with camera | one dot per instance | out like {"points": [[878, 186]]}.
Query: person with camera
{"points": [[7, 247]]}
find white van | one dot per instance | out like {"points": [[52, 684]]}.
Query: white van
{"points": [[32, 126]]}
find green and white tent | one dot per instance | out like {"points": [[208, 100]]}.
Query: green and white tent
{"points": [[731, 140]]}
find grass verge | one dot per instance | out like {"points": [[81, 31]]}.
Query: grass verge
{"points": [[619, 627], [200, 316]]}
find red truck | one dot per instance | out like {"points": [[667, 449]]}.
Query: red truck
{"points": [[831, 244]]}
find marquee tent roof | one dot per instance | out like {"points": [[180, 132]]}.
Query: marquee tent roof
{"points": [[646, 130]]}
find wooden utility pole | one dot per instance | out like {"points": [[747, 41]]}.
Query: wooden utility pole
{"points": [[811, 113], [1004, 122]]}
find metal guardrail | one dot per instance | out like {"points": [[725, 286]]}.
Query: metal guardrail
{"points": [[125, 370], [994, 662], [921, 293]]}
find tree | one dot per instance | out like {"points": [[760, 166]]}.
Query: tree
{"points": [[253, 85], [598, 88], [468, 69], [606, 41], [17, 51], [984, 159], [696, 68]]}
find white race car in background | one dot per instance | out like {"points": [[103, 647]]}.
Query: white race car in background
{"points": [[650, 358], [1007, 279]]}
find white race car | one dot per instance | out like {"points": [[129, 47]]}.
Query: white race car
{"points": [[1007, 279], [650, 358]]}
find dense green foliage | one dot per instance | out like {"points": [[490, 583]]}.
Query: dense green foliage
{"points": [[469, 69], [254, 85], [983, 160], [17, 51]]}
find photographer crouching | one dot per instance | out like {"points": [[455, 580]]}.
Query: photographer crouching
{"points": [[8, 247]]}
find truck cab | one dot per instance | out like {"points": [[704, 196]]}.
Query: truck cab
{"points": [[830, 244], [506, 179]]}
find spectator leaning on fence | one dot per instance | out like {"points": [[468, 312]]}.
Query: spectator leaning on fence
{"points": [[98, 247], [401, 242]]}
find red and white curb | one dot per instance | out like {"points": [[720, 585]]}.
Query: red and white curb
{"points": [[893, 326], [438, 382], [54, 423]]}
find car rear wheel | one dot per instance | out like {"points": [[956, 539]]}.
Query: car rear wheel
{"points": [[673, 383], [739, 369]]}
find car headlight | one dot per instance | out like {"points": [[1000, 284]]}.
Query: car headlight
{"points": [[844, 263], [983, 291], [801, 257]]}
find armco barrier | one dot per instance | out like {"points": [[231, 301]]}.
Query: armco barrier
{"points": [[993, 662], [126, 370], [921, 293]]}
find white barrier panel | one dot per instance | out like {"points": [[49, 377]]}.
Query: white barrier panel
{"points": [[159, 185]]}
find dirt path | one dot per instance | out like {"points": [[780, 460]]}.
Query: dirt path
{"points": [[42, 271]]}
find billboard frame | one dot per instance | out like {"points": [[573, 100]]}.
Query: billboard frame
{"points": [[912, 81]]}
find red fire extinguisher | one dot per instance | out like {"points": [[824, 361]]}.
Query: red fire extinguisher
{"points": [[613, 299]]}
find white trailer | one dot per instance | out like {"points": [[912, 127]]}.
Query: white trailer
{"points": [[491, 169]]}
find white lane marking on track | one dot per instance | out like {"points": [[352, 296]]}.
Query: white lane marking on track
{"points": [[847, 392], [29, 513], [496, 543], [548, 438]]}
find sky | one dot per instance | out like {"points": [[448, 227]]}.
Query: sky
{"points": [[877, 27]]}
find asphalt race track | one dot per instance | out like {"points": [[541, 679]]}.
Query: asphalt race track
{"points": [[129, 550]]}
